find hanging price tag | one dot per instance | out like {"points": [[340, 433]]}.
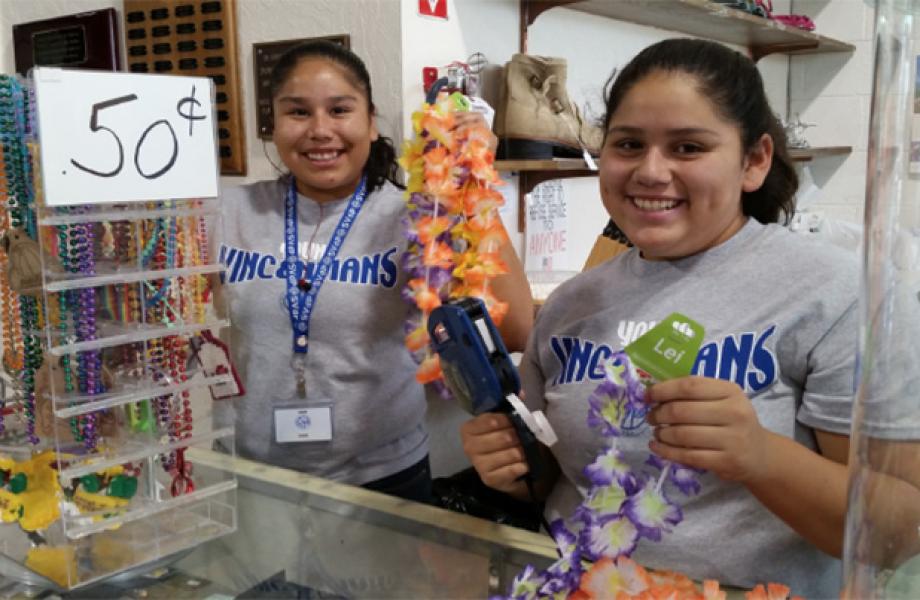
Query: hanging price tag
{"points": [[116, 137]]}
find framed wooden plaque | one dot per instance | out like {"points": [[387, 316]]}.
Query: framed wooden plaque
{"points": [[86, 40], [193, 37], [264, 57]]}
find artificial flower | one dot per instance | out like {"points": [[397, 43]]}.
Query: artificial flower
{"points": [[651, 512], [682, 477], [678, 582], [608, 468], [609, 578], [426, 298], [430, 228], [417, 339], [608, 536], [711, 590], [773, 591], [526, 584], [607, 500], [429, 370], [603, 413], [565, 573]]}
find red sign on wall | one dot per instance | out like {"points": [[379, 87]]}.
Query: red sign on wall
{"points": [[433, 8]]}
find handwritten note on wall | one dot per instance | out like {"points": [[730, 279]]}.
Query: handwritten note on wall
{"points": [[547, 228]]}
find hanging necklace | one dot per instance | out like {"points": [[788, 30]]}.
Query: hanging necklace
{"points": [[89, 362], [15, 128], [67, 300]]}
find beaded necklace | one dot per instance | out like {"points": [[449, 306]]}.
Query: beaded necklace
{"points": [[16, 113], [153, 257], [66, 300], [13, 351], [90, 369], [125, 243]]}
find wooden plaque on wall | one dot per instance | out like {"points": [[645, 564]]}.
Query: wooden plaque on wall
{"points": [[86, 40], [264, 57], [193, 37]]}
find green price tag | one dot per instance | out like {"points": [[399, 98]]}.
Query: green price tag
{"points": [[669, 349], [461, 103]]}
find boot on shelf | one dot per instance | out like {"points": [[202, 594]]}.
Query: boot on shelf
{"points": [[535, 118]]}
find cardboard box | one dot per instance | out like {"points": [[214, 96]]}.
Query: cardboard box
{"points": [[604, 249]]}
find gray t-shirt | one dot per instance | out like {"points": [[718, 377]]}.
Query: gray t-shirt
{"points": [[780, 316], [356, 361]]}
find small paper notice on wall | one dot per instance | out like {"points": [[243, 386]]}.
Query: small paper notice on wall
{"points": [[546, 228], [547, 258]]}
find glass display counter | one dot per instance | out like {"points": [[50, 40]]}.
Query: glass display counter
{"points": [[299, 536]]}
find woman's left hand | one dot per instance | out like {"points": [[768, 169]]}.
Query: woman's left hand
{"points": [[708, 424], [465, 119]]}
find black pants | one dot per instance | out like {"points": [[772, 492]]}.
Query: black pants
{"points": [[412, 483]]}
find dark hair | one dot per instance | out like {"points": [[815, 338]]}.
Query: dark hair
{"points": [[733, 84], [381, 162]]}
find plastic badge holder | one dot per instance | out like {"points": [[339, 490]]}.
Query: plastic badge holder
{"points": [[480, 373]]}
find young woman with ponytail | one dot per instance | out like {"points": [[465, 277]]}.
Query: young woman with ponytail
{"points": [[331, 392], [695, 172]]}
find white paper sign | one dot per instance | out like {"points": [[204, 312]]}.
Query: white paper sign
{"points": [[546, 228], [117, 137]]}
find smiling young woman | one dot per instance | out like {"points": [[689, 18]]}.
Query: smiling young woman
{"points": [[694, 171], [674, 168], [331, 389], [324, 129]]}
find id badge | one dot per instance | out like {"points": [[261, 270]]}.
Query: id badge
{"points": [[303, 423]]}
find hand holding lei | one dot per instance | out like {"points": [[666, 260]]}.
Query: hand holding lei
{"points": [[622, 507], [453, 227]]}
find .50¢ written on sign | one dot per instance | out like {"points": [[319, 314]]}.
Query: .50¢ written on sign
{"points": [[116, 137]]}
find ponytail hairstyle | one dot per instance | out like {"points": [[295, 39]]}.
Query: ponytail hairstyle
{"points": [[381, 163], [733, 84]]}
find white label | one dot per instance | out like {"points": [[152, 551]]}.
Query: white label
{"points": [[303, 424], [118, 137]]}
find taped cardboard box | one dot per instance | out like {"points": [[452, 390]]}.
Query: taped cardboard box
{"points": [[604, 249]]}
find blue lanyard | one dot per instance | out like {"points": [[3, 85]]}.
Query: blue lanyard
{"points": [[300, 304]]}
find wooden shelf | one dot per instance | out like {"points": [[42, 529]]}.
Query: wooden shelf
{"points": [[808, 154], [701, 18], [575, 167], [531, 173], [552, 164]]}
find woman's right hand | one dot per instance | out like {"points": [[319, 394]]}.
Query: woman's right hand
{"points": [[492, 445]]}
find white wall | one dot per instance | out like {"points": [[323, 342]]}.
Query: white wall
{"points": [[833, 91], [374, 27]]}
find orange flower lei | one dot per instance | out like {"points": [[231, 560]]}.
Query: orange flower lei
{"points": [[454, 229]]}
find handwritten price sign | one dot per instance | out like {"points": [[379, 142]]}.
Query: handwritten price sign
{"points": [[118, 137]]}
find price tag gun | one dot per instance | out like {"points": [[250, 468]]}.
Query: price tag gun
{"points": [[479, 372]]}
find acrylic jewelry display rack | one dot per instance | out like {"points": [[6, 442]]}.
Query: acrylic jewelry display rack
{"points": [[105, 271]]}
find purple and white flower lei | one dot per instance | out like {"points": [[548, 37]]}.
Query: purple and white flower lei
{"points": [[622, 505]]}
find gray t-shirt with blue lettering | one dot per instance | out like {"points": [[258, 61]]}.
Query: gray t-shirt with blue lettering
{"points": [[780, 313], [356, 363]]}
